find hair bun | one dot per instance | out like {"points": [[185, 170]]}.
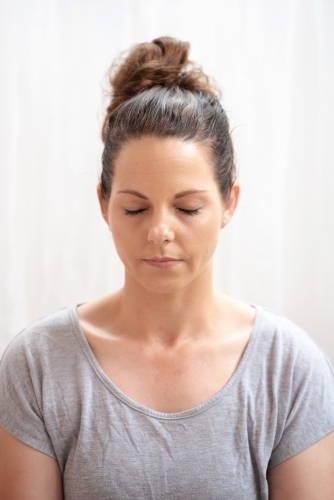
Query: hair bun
{"points": [[156, 91], [162, 62]]}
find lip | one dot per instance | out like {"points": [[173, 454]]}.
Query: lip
{"points": [[162, 262]]}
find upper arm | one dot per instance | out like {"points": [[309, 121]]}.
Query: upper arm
{"points": [[309, 475], [25, 473]]}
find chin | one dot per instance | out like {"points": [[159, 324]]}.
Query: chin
{"points": [[161, 285], [164, 288], [163, 282]]}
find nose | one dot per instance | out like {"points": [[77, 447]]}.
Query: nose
{"points": [[160, 231]]}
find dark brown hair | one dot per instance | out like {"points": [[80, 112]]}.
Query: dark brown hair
{"points": [[156, 91]]}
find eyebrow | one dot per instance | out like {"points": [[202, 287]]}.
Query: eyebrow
{"points": [[190, 191], [178, 195]]}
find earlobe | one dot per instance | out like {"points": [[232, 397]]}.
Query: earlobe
{"points": [[230, 206]]}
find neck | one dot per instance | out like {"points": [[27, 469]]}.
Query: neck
{"points": [[169, 317]]}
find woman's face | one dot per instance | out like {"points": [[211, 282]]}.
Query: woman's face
{"points": [[165, 212]]}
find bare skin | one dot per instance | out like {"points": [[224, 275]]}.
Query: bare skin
{"points": [[306, 476], [168, 340], [167, 374], [25, 473]]}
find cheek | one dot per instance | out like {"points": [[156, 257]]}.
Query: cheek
{"points": [[210, 241], [123, 237], [204, 238]]}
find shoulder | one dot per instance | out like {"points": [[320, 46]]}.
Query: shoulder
{"points": [[294, 362], [33, 372], [49, 337], [299, 383], [288, 362], [286, 343]]}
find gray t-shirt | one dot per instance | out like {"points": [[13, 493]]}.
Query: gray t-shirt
{"points": [[55, 397]]}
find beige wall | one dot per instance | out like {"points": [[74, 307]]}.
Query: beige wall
{"points": [[275, 65]]}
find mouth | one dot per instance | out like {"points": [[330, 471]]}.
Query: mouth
{"points": [[162, 262]]}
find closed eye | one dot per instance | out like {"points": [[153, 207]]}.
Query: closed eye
{"points": [[190, 212], [183, 210], [134, 212]]}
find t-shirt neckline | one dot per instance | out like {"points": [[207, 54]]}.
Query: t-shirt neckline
{"points": [[72, 309]]}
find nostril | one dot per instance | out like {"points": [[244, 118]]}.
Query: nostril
{"points": [[160, 234]]}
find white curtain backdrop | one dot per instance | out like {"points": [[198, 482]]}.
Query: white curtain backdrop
{"points": [[274, 60]]}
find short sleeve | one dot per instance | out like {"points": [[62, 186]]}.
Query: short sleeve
{"points": [[307, 393], [20, 400]]}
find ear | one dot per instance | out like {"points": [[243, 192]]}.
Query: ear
{"points": [[231, 204], [103, 204]]}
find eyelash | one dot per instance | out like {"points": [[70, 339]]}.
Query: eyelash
{"points": [[189, 212], [183, 210], [133, 212]]}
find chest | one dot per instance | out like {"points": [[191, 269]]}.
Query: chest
{"points": [[119, 452], [168, 381]]}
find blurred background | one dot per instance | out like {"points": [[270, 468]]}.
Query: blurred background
{"points": [[274, 61]]}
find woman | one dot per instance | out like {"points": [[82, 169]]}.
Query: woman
{"points": [[167, 388]]}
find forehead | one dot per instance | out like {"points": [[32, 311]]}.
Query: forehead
{"points": [[152, 159]]}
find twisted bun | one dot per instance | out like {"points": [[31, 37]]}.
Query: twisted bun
{"points": [[163, 62]]}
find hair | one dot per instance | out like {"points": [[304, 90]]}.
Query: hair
{"points": [[156, 91]]}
